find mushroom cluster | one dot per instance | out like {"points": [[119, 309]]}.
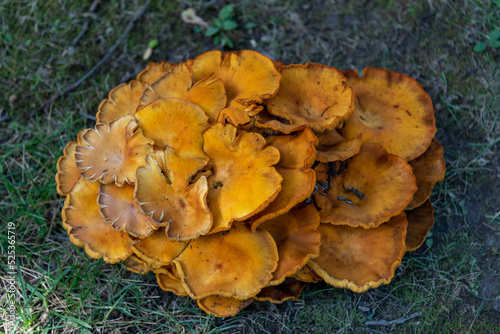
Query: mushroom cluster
{"points": [[236, 178]]}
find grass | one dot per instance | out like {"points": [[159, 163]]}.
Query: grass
{"points": [[453, 283]]}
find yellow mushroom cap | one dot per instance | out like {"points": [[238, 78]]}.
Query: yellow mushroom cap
{"points": [[239, 163], [374, 187], [119, 209], [158, 250], [236, 263], [122, 101], [313, 95], [175, 123], [136, 265], [392, 110], [113, 152], [87, 228], [357, 258], [170, 199], [297, 237], [420, 221], [153, 72], [337, 146], [306, 274], [429, 168], [67, 172], [248, 77], [169, 280], [220, 306], [208, 93]]}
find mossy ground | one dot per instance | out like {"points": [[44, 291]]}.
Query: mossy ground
{"points": [[452, 282]]}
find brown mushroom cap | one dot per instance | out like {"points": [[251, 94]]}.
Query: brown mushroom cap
{"points": [[113, 152], [297, 237], [290, 288], [118, 208], [392, 110], [374, 187], [67, 172], [420, 221], [175, 123], [239, 163], [429, 168], [153, 72], [220, 306], [236, 263], [313, 95], [357, 258], [249, 78], [87, 228], [158, 250], [181, 206], [208, 93], [297, 155], [122, 101]]}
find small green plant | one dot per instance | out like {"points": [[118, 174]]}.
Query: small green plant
{"points": [[222, 24], [493, 41]]}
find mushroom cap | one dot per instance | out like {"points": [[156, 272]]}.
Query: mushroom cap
{"points": [[236, 263], [248, 76], [87, 228], [153, 72], [123, 100], [119, 209], [175, 123], [313, 95], [336, 146], [290, 288], [168, 280], [173, 202], [113, 152], [239, 162], [297, 238], [67, 172], [220, 306], [158, 250], [208, 93], [357, 258], [429, 168], [297, 155], [392, 110], [374, 187], [136, 265], [265, 120], [420, 221], [306, 274]]}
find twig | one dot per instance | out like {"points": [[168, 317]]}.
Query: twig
{"points": [[393, 322], [102, 61], [86, 24]]}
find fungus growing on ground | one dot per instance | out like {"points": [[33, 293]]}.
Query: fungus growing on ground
{"points": [[234, 178]]}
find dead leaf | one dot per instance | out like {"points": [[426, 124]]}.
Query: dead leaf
{"points": [[189, 16]]}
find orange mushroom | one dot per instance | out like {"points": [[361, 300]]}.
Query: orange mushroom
{"points": [[158, 250], [313, 95], [175, 123], [420, 221], [168, 280], [297, 155], [171, 200], [239, 162], [236, 263], [249, 78], [392, 110], [136, 265], [208, 93], [87, 228], [67, 172], [113, 152], [297, 238], [220, 306], [357, 258], [306, 274], [290, 288], [374, 187], [336, 146], [429, 168], [122, 101], [153, 72]]}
